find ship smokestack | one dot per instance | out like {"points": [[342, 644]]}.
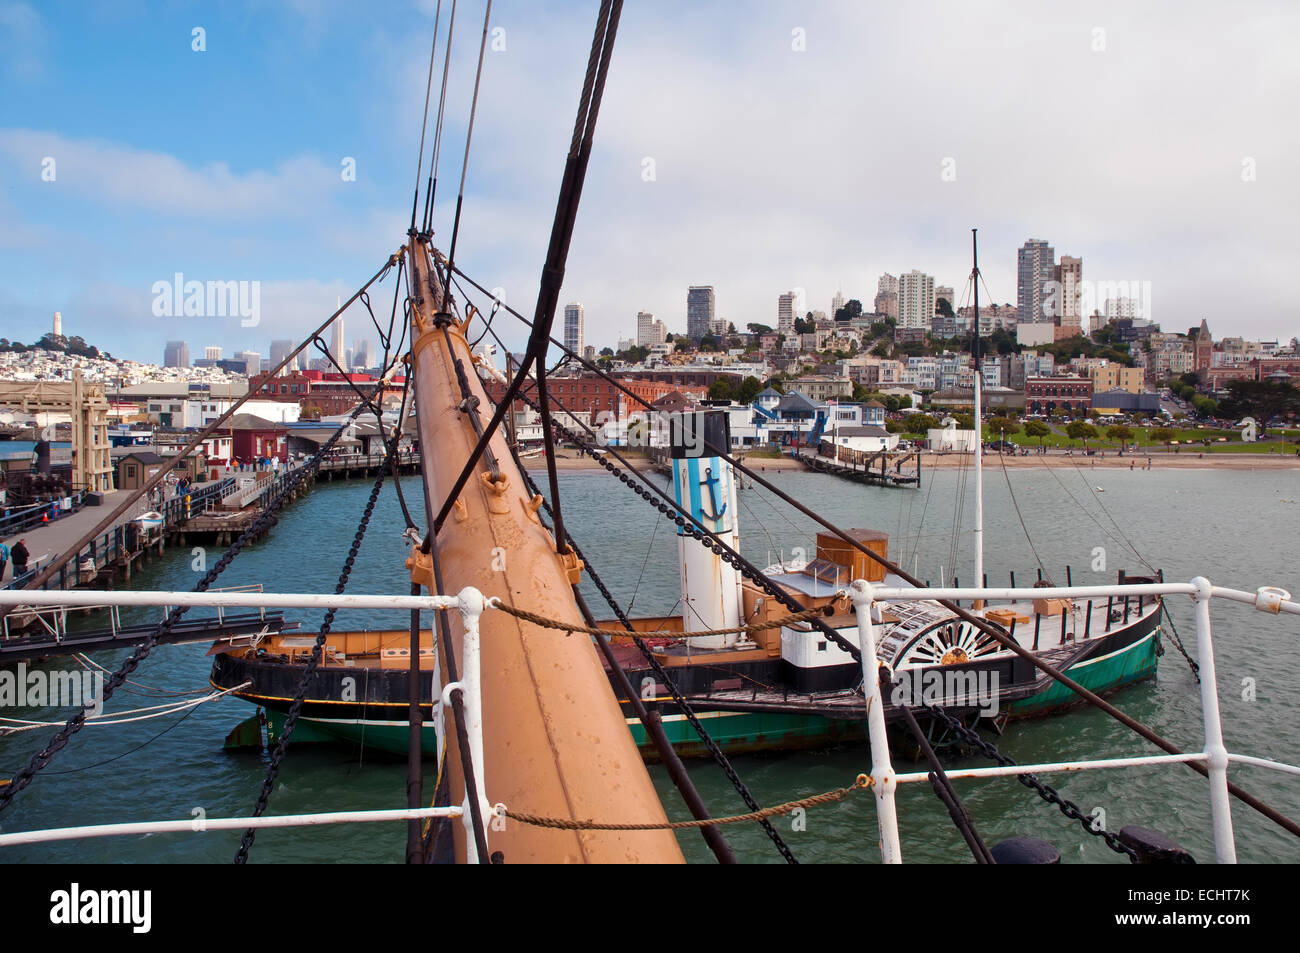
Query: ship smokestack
{"points": [[705, 485]]}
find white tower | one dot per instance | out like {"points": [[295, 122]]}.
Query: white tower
{"points": [[58, 324], [704, 485]]}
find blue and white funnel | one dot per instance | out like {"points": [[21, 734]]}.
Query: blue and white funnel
{"points": [[705, 486]]}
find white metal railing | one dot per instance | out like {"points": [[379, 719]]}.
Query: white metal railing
{"points": [[471, 604], [1214, 755], [222, 607], [54, 618]]}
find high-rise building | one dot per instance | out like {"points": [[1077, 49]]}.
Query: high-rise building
{"points": [[573, 319], [176, 354], [1035, 267], [252, 362], [915, 300], [362, 354], [337, 347], [58, 324], [886, 302], [837, 302], [211, 353], [649, 330], [945, 292], [785, 312], [1069, 283], [700, 305], [279, 351]]}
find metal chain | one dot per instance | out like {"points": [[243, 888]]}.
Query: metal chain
{"points": [[267, 519], [1045, 791], [719, 757], [313, 662], [731, 558]]}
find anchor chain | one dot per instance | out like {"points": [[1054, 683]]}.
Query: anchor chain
{"points": [[313, 661], [719, 757], [267, 519], [1045, 791]]}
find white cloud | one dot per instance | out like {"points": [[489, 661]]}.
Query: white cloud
{"points": [[119, 175]]}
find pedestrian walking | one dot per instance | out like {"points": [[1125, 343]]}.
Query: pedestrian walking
{"points": [[20, 556], [4, 559]]}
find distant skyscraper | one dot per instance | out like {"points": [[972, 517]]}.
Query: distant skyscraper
{"points": [[211, 353], [58, 324], [337, 347], [252, 362], [573, 320], [363, 356], [1069, 279], [915, 300], [279, 351], [176, 354], [700, 304], [886, 302], [649, 330], [1035, 267], [837, 302], [785, 312], [943, 291]]}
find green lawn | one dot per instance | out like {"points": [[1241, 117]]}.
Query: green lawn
{"points": [[1188, 439]]}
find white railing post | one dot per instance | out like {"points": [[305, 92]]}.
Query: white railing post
{"points": [[1225, 849], [882, 770], [471, 604]]}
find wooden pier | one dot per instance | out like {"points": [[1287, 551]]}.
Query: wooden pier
{"points": [[879, 468]]}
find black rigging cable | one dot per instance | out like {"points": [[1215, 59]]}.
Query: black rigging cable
{"points": [[469, 132], [428, 88]]}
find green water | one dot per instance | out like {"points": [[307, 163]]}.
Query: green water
{"points": [[1236, 527]]}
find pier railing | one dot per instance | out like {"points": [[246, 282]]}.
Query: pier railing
{"points": [[481, 815]]}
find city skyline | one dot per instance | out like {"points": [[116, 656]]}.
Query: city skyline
{"points": [[1213, 239]]}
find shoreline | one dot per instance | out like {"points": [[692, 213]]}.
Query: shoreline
{"points": [[569, 460]]}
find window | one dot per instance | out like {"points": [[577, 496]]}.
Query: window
{"points": [[821, 646]]}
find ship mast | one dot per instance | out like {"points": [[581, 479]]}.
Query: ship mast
{"points": [[979, 428]]}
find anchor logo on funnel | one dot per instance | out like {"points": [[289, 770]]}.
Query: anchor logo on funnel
{"points": [[711, 482]]}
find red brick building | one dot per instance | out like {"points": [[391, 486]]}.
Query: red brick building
{"points": [[1045, 394], [594, 395], [319, 394]]}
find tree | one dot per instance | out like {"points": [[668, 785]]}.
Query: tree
{"points": [[606, 352], [881, 348], [1001, 427], [1036, 428], [708, 343], [682, 344], [920, 423], [1162, 435], [748, 389], [759, 328], [1206, 406], [1262, 400], [1081, 430], [944, 306], [849, 310], [1120, 434], [722, 389]]}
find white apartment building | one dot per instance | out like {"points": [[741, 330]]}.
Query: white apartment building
{"points": [[915, 300]]}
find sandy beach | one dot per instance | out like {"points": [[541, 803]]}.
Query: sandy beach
{"points": [[1159, 460]]}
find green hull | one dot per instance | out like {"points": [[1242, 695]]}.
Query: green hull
{"points": [[1133, 663], [383, 736], [737, 732]]}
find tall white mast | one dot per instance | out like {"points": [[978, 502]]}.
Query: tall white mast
{"points": [[979, 428]]}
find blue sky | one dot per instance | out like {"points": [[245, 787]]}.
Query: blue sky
{"points": [[775, 167]]}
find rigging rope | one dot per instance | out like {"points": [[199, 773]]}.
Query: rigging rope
{"points": [[265, 520]]}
